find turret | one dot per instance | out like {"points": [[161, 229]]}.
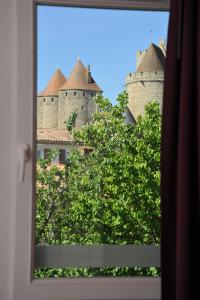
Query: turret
{"points": [[146, 84], [76, 95], [47, 102]]}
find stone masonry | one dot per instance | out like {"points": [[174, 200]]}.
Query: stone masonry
{"points": [[146, 84], [62, 97]]}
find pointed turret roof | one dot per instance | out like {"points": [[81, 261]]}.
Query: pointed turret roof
{"points": [[80, 79], [153, 60], [54, 84]]}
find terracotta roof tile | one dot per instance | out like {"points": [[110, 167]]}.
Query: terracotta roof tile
{"points": [[78, 80], [153, 60], [54, 84], [53, 135]]}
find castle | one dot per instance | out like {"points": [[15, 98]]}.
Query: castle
{"points": [[57, 102], [63, 96]]}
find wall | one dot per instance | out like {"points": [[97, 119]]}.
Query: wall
{"points": [[40, 112], [10, 60], [7, 80], [50, 112], [67, 147], [142, 88], [47, 112], [78, 101]]}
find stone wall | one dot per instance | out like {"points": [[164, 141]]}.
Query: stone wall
{"points": [[47, 112], [52, 112], [78, 101], [40, 112], [143, 88]]}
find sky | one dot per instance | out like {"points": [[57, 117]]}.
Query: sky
{"points": [[107, 40]]}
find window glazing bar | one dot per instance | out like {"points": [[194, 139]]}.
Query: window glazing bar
{"points": [[97, 256]]}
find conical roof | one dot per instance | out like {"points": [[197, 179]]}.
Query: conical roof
{"points": [[54, 84], [78, 79], [153, 60]]}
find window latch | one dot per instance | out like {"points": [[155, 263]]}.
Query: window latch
{"points": [[24, 156]]}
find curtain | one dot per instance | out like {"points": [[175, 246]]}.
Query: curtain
{"points": [[180, 155]]}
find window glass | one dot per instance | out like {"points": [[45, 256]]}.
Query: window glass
{"points": [[61, 156], [98, 208]]}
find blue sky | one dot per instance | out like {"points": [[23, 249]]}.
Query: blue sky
{"points": [[105, 39]]}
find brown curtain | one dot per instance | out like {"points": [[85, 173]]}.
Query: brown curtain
{"points": [[180, 155]]}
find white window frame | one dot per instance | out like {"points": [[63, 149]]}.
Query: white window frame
{"points": [[23, 286]]}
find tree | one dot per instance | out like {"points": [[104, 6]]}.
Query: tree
{"points": [[112, 195]]}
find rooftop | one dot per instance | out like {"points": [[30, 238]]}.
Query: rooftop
{"points": [[53, 135], [80, 79], [54, 84], [153, 60]]}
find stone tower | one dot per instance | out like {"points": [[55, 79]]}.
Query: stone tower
{"points": [[146, 84], [62, 97], [76, 95], [48, 102]]}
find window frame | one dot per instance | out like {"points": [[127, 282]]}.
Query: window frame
{"points": [[23, 286]]}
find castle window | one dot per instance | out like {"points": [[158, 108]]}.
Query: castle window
{"points": [[83, 93], [44, 100], [81, 107], [74, 93], [51, 99], [92, 94], [66, 94]]}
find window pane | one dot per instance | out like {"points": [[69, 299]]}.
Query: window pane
{"points": [[61, 156], [98, 186]]}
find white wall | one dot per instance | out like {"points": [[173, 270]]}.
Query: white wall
{"points": [[7, 84]]}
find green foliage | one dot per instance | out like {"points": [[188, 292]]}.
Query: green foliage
{"points": [[110, 196], [51, 201], [71, 122]]}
